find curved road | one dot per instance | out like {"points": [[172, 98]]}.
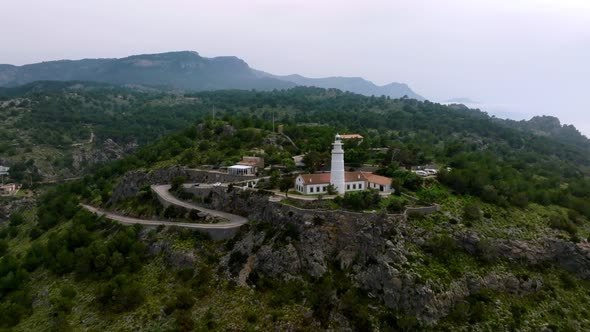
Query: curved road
{"points": [[131, 221], [163, 192], [234, 221]]}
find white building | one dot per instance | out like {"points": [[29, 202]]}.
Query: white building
{"points": [[241, 170], [341, 180], [247, 166]]}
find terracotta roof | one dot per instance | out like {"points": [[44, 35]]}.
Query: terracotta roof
{"points": [[347, 136], [378, 179], [354, 176], [316, 178], [348, 177]]}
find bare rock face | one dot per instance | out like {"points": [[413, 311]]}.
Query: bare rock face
{"points": [[132, 182], [109, 150], [376, 251], [12, 205], [573, 257], [174, 258], [286, 243]]}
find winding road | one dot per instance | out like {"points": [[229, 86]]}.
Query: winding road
{"points": [[163, 192], [219, 231], [149, 222]]}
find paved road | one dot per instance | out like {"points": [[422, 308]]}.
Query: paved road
{"points": [[130, 220], [163, 192]]}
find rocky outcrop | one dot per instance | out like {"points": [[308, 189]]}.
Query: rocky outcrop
{"points": [[109, 150], [573, 257], [377, 252], [287, 243], [175, 258], [132, 182], [11, 205]]}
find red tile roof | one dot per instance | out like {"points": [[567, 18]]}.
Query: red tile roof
{"points": [[316, 178], [378, 179], [322, 178], [354, 176]]}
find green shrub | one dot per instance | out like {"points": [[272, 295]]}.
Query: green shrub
{"points": [[236, 261], [3, 247], [184, 321], [177, 182], [560, 223], [441, 246], [360, 200], [120, 295], [62, 303], [395, 204], [471, 211], [16, 219]]}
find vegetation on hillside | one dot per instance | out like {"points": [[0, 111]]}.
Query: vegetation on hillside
{"points": [[64, 268]]}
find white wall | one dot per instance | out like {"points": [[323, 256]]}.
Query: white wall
{"points": [[355, 186]]}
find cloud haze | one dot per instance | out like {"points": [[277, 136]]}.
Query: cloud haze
{"points": [[531, 56]]}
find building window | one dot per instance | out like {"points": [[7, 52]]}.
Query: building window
{"points": [[324, 189], [354, 186], [310, 189], [347, 187], [381, 188], [360, 186]]}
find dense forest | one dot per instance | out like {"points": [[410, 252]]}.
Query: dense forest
{"points": [[496, 160]]}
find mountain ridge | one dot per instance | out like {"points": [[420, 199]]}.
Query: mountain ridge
{"points": [[185, 70]]}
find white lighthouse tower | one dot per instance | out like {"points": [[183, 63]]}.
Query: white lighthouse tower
{"points": [[337, 169]]}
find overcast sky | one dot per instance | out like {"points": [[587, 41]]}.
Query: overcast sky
{"points": [[517, 57]]}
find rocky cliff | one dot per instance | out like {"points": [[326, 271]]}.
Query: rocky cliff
{"points": [[386, 256]]}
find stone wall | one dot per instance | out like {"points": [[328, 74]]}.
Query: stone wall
{"points": [[256, 206], [412, 211]]}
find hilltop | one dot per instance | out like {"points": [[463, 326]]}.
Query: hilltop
{"points": [[184, 70], [508, 249], [49, 124]]}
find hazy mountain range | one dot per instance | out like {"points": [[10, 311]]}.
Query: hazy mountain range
{"points": [[185, 71]]}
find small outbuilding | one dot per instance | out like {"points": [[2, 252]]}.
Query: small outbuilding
{"points": [[9, 189], [241, 170]]}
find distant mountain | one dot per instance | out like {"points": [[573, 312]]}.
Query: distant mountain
{"points": [[353, 84], [185, 70], [460, 101], [177, 70], [551, 126]]}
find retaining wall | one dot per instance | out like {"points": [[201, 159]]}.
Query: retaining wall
{"points": [[422, 210]]}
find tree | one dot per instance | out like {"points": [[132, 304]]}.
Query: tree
{"points": [[331, 189], [285, 184], [177, 182], [412, 181]]}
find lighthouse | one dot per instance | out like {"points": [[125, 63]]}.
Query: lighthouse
{"points": [[337, 167]]}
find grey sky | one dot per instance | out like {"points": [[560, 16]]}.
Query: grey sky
{"points": [[517, 57]]}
